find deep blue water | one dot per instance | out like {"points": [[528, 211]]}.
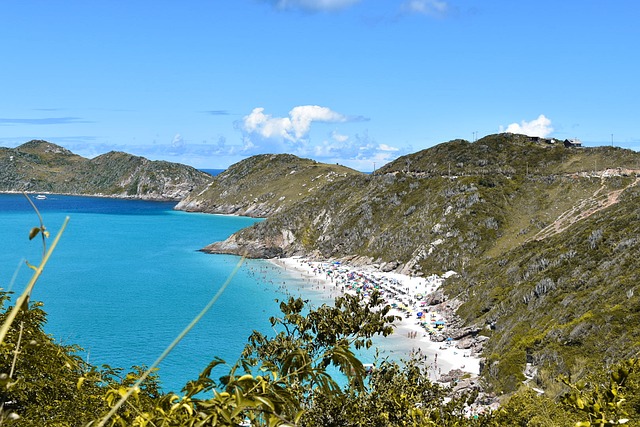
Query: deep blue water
{"points": [[213, 172], [126, 278]]}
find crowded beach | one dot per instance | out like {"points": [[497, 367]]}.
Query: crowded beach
{"points": [[422, 327]]}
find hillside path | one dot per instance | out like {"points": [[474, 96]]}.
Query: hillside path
{"points": [[583, 210]]}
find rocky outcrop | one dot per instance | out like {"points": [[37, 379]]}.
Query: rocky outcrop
{"points": [[244, 248]]}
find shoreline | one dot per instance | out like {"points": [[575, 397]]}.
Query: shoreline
{"points": [[407, 296], [96, 195]]}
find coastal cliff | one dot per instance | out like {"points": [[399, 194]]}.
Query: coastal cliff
{"points": [[43, 167]]}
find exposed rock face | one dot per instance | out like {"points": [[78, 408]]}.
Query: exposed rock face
{"points": [[453, 375], [436, 298], [40, 166], [244, 248]]}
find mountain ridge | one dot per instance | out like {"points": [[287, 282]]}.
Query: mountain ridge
{"points": [[44, 167], [263, 185], [562, 170]]}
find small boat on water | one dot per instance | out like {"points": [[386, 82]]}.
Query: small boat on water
{"points": [[41, 197]]}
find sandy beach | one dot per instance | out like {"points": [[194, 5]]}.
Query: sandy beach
{"points": [[407, 295]]}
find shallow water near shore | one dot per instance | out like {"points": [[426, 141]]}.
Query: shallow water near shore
{"points": [[126, 278]]}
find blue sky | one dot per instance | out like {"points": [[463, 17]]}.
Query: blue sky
{"points": [[356, 82]]}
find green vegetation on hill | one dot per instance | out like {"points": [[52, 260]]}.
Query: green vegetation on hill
{"points": [[564, 304], [263, 185], [542, 236], [429, 223], [40, 166], [510, 155]]}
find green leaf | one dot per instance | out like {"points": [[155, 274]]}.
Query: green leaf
{"points": [[265, 402]]}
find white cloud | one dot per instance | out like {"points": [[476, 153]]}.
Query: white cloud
{"points": [[301, 118], [294, 128], [426, 7], [264, 133], [266, 126], [385, 147], [359, 152], [177, 141], [539, 127], [359, 147], [314, 5], [423, 7], [178, 145], [338, 137]]}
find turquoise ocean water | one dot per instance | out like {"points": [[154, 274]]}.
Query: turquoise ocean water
{"points": [[126, 278]]}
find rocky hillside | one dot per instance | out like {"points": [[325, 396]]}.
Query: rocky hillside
{"points": [[264, 185], [40, 166], [562, 304], [511, 155], [439, 209], [543, 236]]}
